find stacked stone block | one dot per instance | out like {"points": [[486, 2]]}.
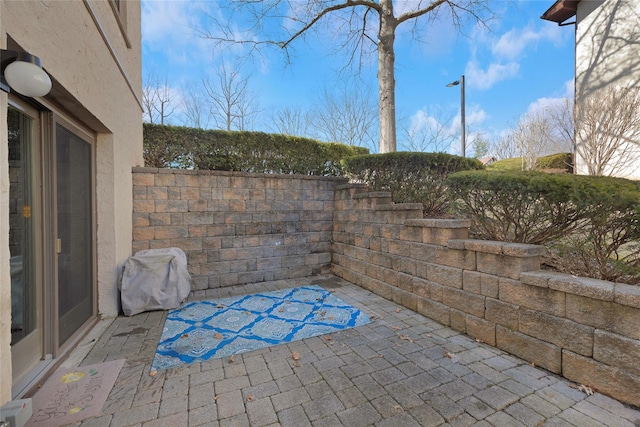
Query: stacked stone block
{"points": [[584, 329], [236, 228]]}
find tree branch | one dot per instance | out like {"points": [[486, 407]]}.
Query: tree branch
{"points": [[349, 3], [417, 13]]}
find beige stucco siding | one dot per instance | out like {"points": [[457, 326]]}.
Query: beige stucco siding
{"points": [[607, 55], [99, 82]]}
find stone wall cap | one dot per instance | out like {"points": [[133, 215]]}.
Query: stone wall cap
{"points": [[350, 185], [539, 278], [399, 207], [583, 286], [203, 172], [439, 223], [372, 195], [518, 250], [456, 244], [627, 294]]}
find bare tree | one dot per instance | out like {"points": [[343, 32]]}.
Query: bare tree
{"points": [[231, 100], [365, 24], [561, 115], [608, 131], [158, 100], [428, 131], [346, 114], [194, 106], [504, 146], [533, 134], [292, 121]]}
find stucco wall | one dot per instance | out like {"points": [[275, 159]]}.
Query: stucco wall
{"points": [[97, 82], [584, 329], [608, 55]]}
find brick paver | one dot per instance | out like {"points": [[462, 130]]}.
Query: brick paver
{"points": [[402, 369]]}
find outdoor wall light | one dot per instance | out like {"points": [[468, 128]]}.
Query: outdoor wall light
{"points": [[23, 73]]}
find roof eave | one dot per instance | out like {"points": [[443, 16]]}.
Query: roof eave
{"points": [[561, 10]]}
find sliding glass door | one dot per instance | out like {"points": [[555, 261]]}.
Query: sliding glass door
{"points": [[51, 236], [74, 242]]}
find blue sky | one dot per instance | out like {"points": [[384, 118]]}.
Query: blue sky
{"points": [[518, 64]]}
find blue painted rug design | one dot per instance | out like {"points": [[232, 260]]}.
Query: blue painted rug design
{"points": [[203, 330]]}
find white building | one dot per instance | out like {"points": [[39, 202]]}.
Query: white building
{"points": [[607, 56]]}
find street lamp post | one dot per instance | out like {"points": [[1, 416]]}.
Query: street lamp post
{"points": [[462, 122]]}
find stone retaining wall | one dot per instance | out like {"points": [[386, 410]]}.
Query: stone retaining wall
{"points": [[248, 228], [236, 227], [584, 329]]}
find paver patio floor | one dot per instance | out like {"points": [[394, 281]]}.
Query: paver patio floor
{"points": [[402, 369]]}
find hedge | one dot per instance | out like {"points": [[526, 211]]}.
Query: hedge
{"points": [[410, 177], [182, 147], [598, 217]]}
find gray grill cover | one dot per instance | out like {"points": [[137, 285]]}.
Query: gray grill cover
{"points": [[154, 279]]}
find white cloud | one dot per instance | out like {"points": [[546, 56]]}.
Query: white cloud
{"points": [[422, 120], [171, 27], [513, 43], [483, 79], [553, 102], [475, 115], [545, 103]]}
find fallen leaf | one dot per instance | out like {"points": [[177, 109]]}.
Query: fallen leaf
{"points": [[330, 317], [232, 359], [327, 338], [398, 407], [295, 355], [220, 306], [216, 397], [479, 340], [406, 338], [281, 310], [218, 336], [396, 328], [449, 355], [185, 336], [398, 310], [250, 398], [583, 388], [153, 373]]}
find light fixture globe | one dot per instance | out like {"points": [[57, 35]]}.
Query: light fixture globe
{"points": [[26, 76]]}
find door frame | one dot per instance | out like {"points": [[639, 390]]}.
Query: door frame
{"points": [[47, 115], [87, 136], [31, 349]]}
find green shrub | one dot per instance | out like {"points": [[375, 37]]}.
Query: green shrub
{"points": [[515, 206], [172, 146], [609, 246], [596, 218], [410, 177], [168, 146]]}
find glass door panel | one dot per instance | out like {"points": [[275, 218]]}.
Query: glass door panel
{"points": [[74, 243], [26, 322]]}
